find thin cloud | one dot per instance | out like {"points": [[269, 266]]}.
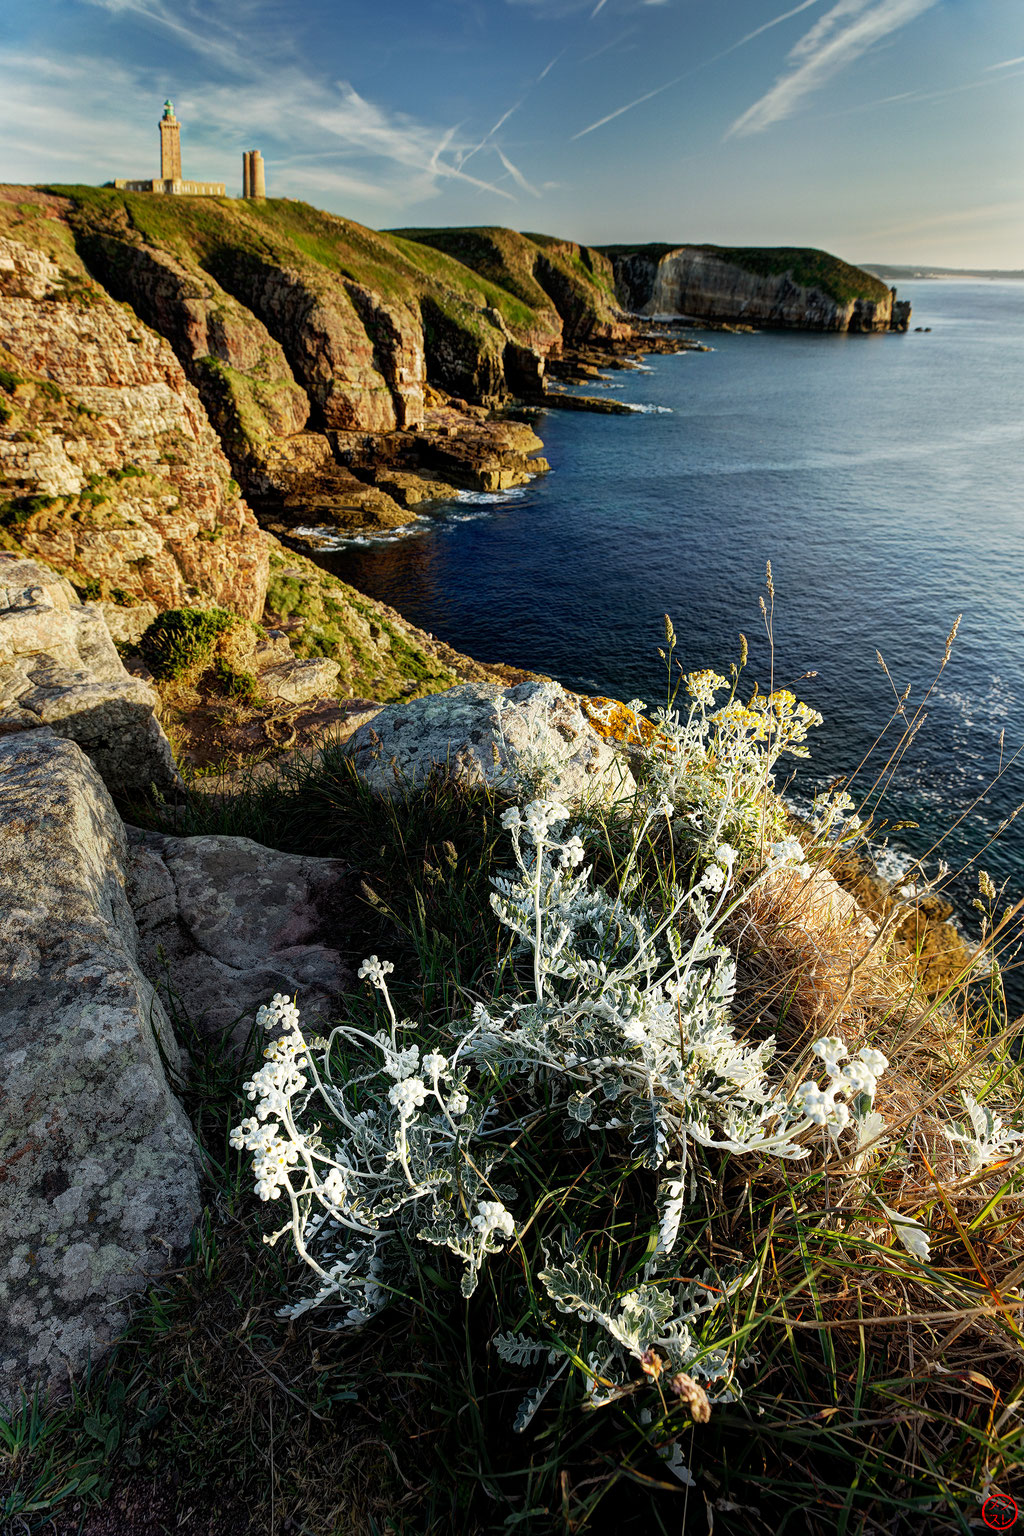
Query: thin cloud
{"points": [[549, 67], [923, 96], [776, 21], [1008, 63], [489, 135], [517, 175], [959, 219], [689, 73], [837, 40], [647, 96]]}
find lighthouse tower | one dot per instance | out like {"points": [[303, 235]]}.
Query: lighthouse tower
{"points": [[170, 146]]}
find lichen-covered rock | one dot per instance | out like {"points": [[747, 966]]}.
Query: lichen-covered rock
{"points": [[538, 734], [227, 923], [59, 668], [298, 681], [127, 625], [98, 1167]]}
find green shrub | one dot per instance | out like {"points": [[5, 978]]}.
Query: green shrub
{"points": [[241, 686], [180, 643]]}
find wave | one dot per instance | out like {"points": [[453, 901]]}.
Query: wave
{"points": [[490, 498], [328, 537]]}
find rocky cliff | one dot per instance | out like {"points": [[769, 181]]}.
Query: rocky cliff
{"points": [[110, 470], [569, 287], [785, 287], [295, 325]]}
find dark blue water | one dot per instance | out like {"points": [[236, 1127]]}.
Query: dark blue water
{"points": [[882, 477]]}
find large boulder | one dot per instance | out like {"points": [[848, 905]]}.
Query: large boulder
{"points": [[99, 1184], [59, 668], [225, 923], [532, 735]]}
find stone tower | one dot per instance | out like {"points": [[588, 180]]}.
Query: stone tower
{"points": [[170, 145], [254, 176]]}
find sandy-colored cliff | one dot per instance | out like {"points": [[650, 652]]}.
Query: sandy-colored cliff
{"points": [[785, 287]]}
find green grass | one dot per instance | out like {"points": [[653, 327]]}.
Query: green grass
{"points": [[377, 655], [544, 273], [179, 643]]}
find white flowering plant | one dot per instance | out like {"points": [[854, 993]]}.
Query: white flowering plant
{"points": [[619, 1034], [562, 1137]]}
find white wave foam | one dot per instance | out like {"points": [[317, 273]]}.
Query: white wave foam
{"points": [[651, 410], [892, 862], [491, 498], [328, 537]]}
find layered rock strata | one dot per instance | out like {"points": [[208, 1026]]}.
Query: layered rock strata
{"points": [[98, 1167], [789, 289], [110, 469]]}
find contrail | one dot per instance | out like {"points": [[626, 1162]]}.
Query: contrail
{"points": [[631, 104], [492, 131], [549, 67], [749, 37]]}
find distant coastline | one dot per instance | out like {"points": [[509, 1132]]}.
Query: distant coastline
{"points": [[889, 272]]}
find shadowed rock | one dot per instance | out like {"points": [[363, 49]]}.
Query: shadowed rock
{"points": [[225, 923], [59, 668]]}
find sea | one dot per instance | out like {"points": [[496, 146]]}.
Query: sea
{"points": [[881, 475]]}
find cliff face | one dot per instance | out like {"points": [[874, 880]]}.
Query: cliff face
{"points": [[296, 326], [785, 288], [109, 468], [570, 288]]}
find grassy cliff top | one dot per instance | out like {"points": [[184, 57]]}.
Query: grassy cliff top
{"points": [[541, 270], [807, 266], [294, 234]]}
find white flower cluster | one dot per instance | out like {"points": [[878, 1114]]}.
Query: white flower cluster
{"points": [[625, 1036], [856, 1080], [388, 1152], [989, 1140], [789, 854]]}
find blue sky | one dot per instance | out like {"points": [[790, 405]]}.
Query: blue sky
{"points": [[881, 129]]}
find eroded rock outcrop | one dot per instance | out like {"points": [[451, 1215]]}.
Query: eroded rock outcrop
{"points": [[479, 734], [226, 923], [98, 1166], [569, 287], [59, 668], [111, 470]]}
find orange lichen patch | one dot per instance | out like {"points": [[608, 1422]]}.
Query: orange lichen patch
{"points": [[615, 722]]}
